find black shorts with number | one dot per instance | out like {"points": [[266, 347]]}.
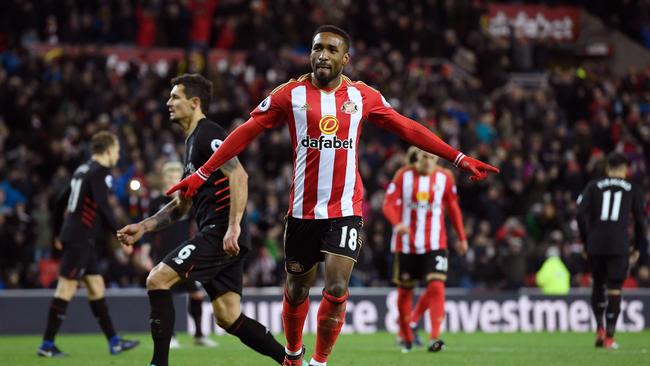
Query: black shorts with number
{"points": [[79, 259], [414, 267], [203, 259], [306, 241], [610, 270]]}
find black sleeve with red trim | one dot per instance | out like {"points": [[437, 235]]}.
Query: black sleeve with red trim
{"points": [[211, 137], [270, 113], [100, 192]]}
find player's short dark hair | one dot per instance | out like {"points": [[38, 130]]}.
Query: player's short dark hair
{"points": [[616, 160], [336, 30], [102, 141], [196, 86]]}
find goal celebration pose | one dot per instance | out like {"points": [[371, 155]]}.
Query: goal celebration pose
{"points": [[324, 111]]}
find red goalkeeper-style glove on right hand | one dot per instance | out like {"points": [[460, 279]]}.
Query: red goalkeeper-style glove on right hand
{"points": [[190, 184], [477, 168]]}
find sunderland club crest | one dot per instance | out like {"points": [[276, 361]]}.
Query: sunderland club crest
{"points": [[349, 107]]}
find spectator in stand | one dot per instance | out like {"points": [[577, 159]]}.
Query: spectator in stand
{"points": [[546, 139], [553, 278]]}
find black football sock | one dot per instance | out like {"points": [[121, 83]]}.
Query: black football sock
{"points": [[100, 311], [195, 308], [611, 314], [598, 304], [161, 321], [55, 317], [257, 337]]}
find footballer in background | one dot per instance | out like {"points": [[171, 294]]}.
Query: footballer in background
{"points": [[416, 201]]}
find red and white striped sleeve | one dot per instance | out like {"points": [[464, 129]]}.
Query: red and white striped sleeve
{"points": [[450, 198], [274, 109], [269, 113], [392, 207], [381, 113]]}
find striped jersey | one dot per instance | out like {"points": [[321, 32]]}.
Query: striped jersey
{"points": [[325, 127], [419, 202]]}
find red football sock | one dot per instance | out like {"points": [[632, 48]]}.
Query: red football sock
{"points": [[421, 306], [293, 319], [436, 290], [404, 305], [331, 316]]}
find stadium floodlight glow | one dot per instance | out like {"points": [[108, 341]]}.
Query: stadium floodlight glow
{"points": [[134, 184]]}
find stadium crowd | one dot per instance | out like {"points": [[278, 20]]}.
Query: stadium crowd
{"points": [[548, 140]]}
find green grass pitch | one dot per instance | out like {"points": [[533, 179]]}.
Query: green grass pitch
{"points": [[527, 349]]}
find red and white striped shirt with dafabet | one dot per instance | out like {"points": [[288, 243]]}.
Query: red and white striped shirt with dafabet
{"points": [[325, 127], [419, 201]]}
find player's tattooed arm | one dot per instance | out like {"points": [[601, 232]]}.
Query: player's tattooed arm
{"points": [[238, 180], [172, 212], [238, 188], [231, 166], [169, 214]]}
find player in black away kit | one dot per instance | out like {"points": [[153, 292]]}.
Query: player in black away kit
{"points": [[86, 211], [156, 245], [604, 209], [214, 256]]}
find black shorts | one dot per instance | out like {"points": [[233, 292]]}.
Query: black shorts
{"points": [[79, 259], [414, 267], [203, 259], [186, 286], [610, 270], [306, 241]]}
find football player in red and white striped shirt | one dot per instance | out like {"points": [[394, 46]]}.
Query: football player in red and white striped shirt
{"points": [[324, 112], [415, 204]]}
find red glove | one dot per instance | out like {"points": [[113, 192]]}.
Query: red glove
{"points": [[477, 168], [190, 184]]}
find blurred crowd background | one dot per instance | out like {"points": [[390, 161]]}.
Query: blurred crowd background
{"points": [[548, 139]]}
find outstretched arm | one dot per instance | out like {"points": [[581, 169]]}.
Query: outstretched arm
{"points": [[169, 214], [418, 135], [233, 145], [166, 216]]}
